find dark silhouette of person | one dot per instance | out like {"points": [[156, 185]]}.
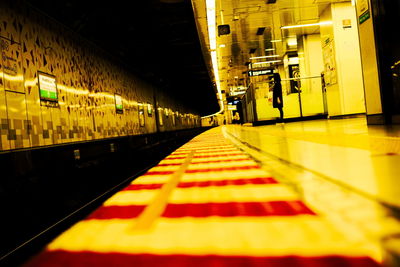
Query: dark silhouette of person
{"points": [[277, 100]]}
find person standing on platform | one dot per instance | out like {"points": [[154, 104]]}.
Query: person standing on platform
{"points": [[277, 100], [236, 118]]}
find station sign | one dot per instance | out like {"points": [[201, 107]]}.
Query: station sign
{"points": [[118, 104], [260, 72], [47, 87], [232, 107], [239, 90], [149, 109], [363, 10]]}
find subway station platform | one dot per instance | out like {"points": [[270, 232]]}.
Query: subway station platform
{"points": [[316, 193]]}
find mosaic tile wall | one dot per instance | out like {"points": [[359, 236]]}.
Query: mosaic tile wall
{"points": [[86, 84]]}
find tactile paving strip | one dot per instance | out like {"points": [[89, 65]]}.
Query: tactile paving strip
{"points": [[221, 209]]}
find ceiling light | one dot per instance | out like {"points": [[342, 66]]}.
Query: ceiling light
{"points": [[306, 25], [292, 41], [270, 49], [265, 56], [275, 41], [266, 62], [212, 35]]}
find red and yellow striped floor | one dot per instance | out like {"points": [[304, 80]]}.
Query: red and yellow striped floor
{"points": [[207, 204]]}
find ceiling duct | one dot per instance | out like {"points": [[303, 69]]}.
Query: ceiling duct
{"points": [[260, 31]]}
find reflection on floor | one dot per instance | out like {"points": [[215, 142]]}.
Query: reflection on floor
{"points": [[244, 196], [361, 157]]}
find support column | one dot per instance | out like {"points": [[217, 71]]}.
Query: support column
{"points": [[380, 48]]}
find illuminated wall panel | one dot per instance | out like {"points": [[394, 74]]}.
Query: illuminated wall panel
{"points": [[86, 84], [18, 126], [4, 141]]}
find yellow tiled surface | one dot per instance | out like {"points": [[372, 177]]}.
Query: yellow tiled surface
{"points": [[269, 237]]}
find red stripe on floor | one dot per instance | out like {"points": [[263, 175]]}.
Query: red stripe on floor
{"points": [[229, 209], [224, 169], [208, 156], [203, 162], [142, 187], [267, 180], [205, 170], [205, 151], [175, 157], [116, 212], [86, 258]]}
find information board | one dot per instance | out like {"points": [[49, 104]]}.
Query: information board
{"points": [[260, 72]]}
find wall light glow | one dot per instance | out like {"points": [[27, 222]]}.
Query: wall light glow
{"points": [[307, 25]]}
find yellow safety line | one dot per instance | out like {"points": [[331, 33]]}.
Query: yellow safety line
{"points": [[157, 206]]}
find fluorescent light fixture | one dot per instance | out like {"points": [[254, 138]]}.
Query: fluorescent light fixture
{"points": [[222, 45], [265, 56], [275, 41], [270, 49], [307, 25], [265, 62], [212, 36]]}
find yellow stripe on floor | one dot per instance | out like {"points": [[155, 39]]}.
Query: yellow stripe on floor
{"points": [[304, 235]]}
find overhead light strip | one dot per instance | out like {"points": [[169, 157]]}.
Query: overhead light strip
{"points": [[265, 62], [307, 25], [212, 36], [265, 56]]}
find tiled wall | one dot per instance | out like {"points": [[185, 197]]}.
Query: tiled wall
{"points": [[86, 82]]}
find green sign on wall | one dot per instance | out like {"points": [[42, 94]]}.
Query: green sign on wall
{"points": [[47, 87], [364, 17], [363, 9]]}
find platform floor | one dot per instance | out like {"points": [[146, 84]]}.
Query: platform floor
{"points": [[317, 193]]}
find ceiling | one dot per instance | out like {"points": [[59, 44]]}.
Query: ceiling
{"points": [[156, 39], [245, 18]]}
